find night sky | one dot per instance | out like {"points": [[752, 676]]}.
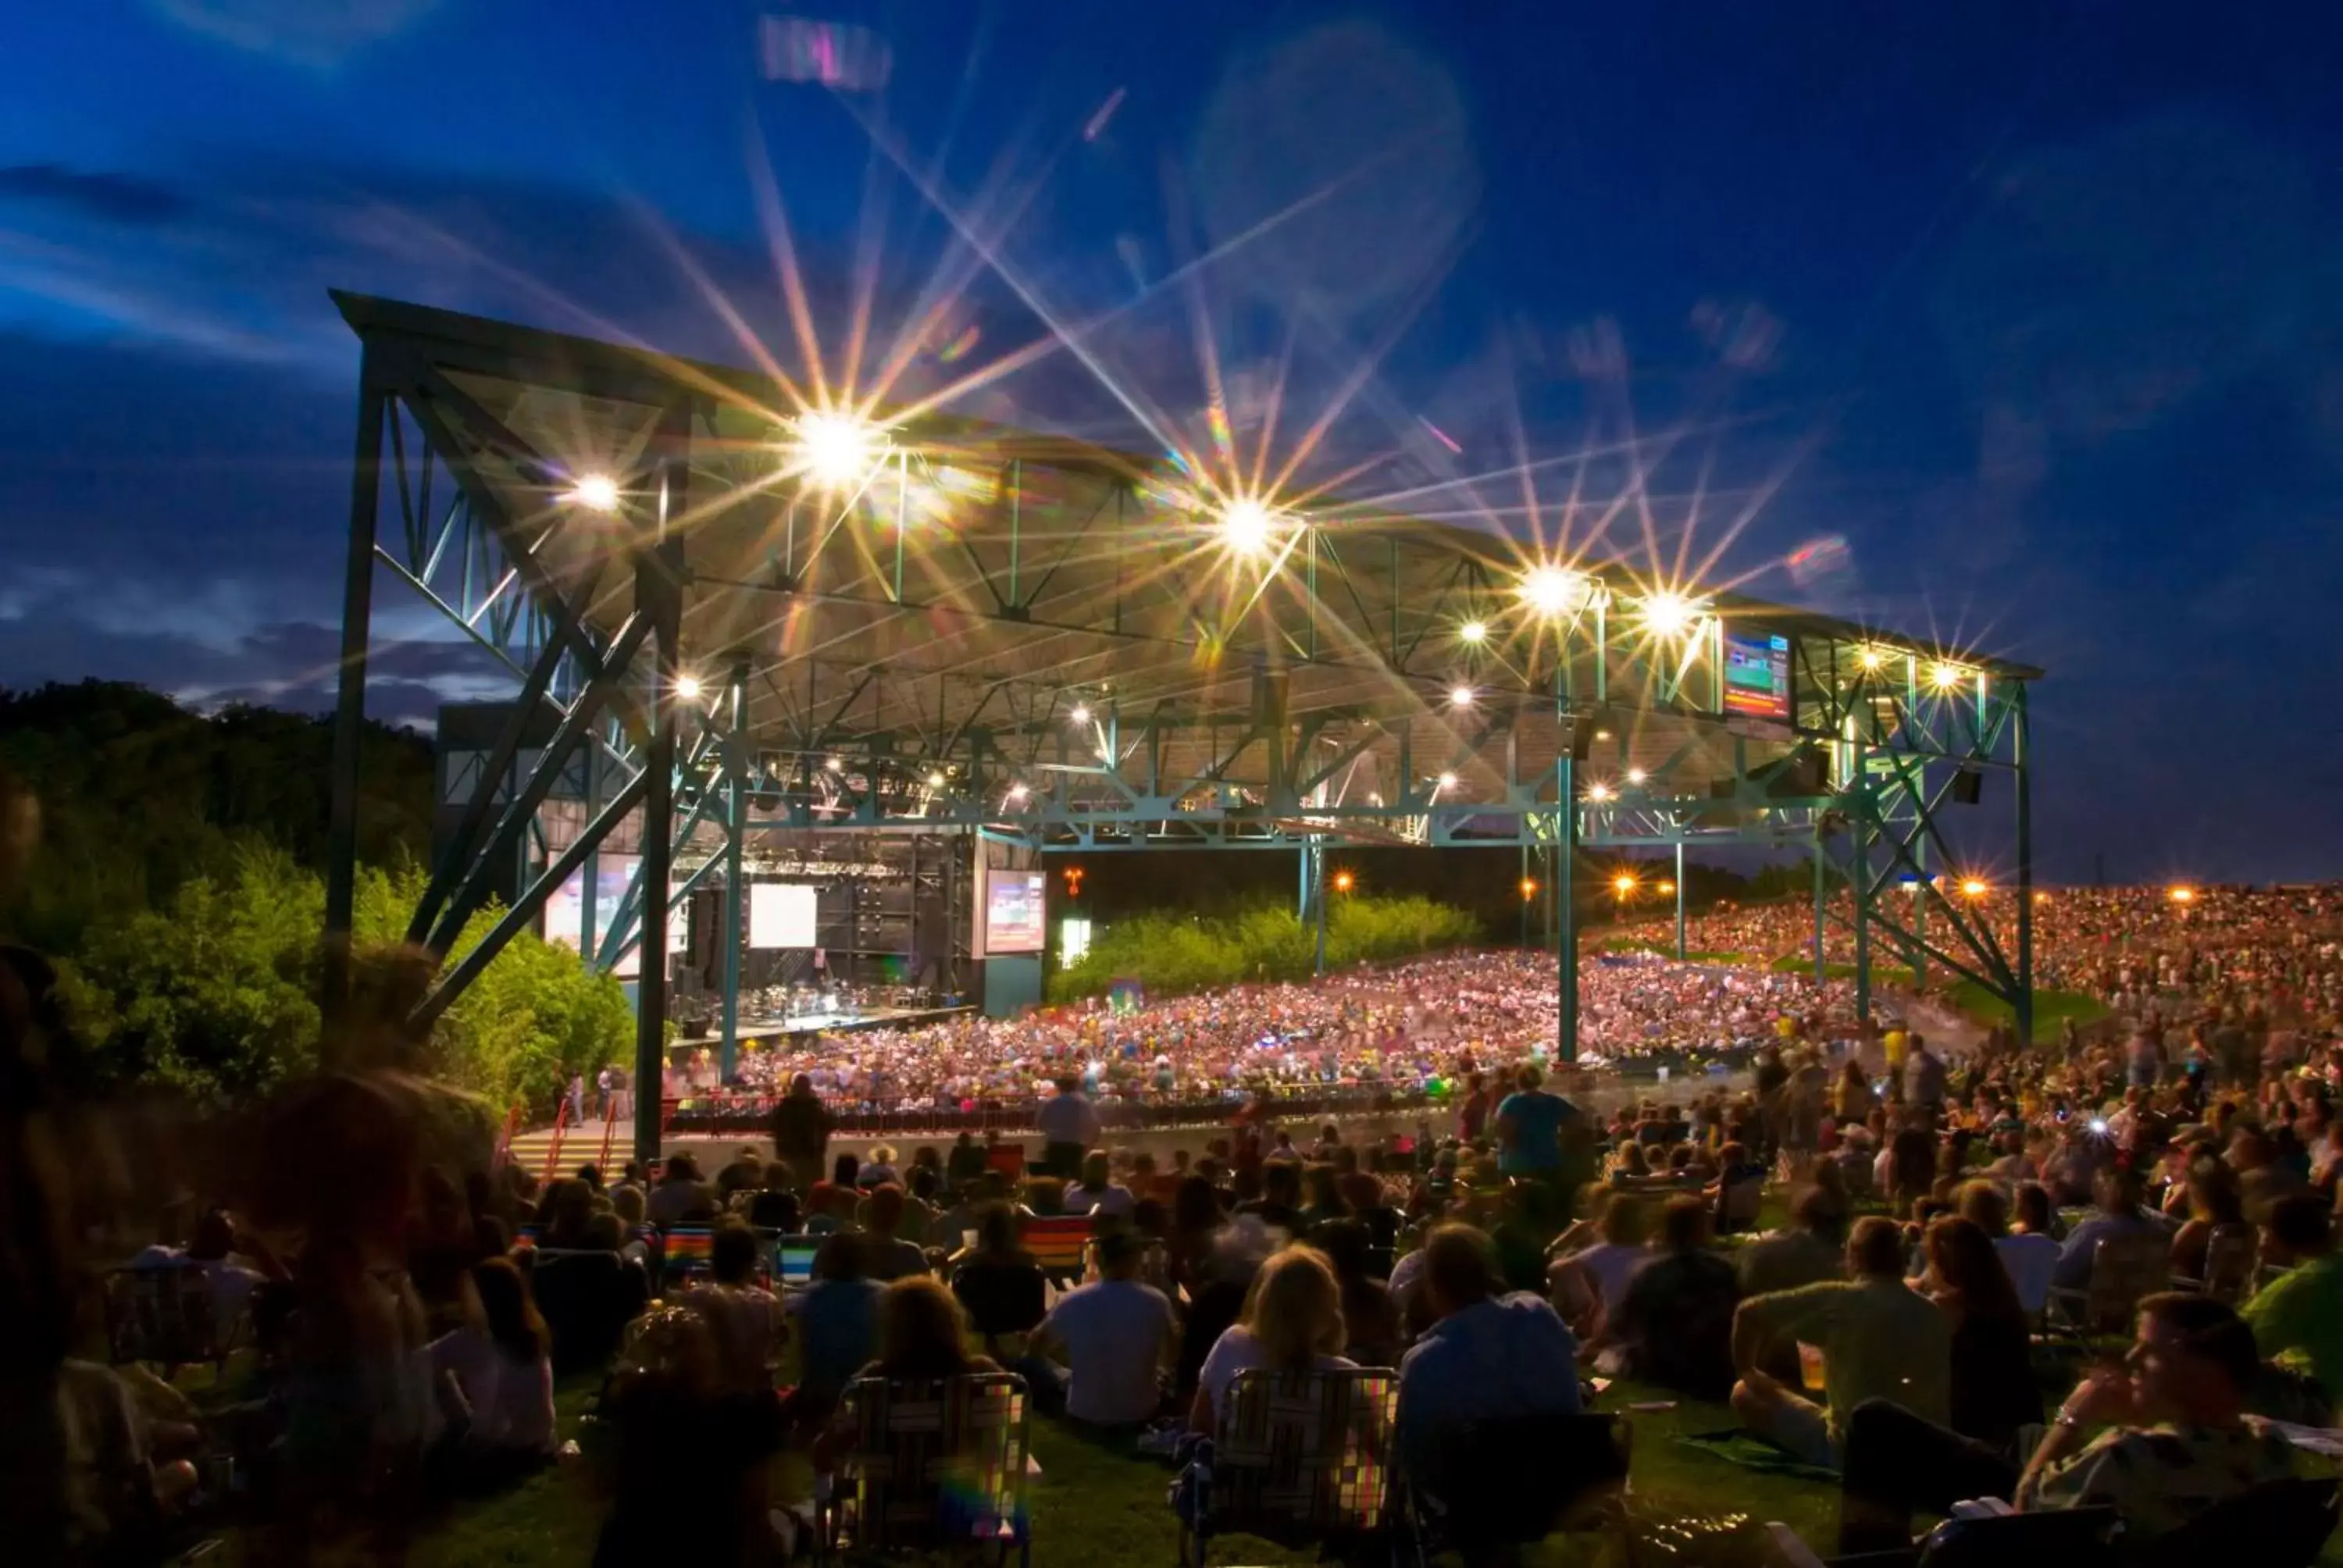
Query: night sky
{"points": [[2017, 324]]}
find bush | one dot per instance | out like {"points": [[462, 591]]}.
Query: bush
{"points": [[1169, 954]]}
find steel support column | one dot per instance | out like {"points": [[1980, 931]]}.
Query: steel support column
{"points": [[1566, 897], [658, 597], [1921, 892], [1858, 829], [1822, 895], [2022, 746], [591, 868], [736, 829], [349, 709], [1680, 902]]}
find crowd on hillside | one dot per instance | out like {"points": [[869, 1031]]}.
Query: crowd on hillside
{"points": [[1401, 1027]]}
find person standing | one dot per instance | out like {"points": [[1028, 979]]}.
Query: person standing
{"points": [[1530, 1127], [801, 1128], [1070, 1127], [577, 1099]]}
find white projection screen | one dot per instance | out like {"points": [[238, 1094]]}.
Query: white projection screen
{"points": [[782, 915]]}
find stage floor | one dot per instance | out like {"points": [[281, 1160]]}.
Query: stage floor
{"points": [[771, 1026]]}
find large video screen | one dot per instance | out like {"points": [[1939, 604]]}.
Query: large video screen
{"points": [[782, 915], [1014, 916], [1757, 675], [565, 910]]}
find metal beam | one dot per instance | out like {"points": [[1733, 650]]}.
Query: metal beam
{"points": [[349, 709]]}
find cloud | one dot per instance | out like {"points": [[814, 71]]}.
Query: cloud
{"points": [[319, 34], [107, 197]]}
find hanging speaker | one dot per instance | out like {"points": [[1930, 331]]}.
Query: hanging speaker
{"points": [[1968, 784]]}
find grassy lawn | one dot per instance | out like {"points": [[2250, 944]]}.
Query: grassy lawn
{"points": [[1668, 951], [1881, 974], [2051, 1008]]}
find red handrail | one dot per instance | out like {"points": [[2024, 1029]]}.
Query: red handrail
{"points": [[610, 1130], [505, 1139], [553, 1149]]}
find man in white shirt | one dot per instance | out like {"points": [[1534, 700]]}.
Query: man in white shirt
{"points": [[1070, 1126], [1115, 1336]]}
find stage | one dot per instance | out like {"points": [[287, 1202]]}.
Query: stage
{"points": [[763, 1029]]}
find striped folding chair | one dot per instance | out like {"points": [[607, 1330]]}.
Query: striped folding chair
{"points": [[687, 1249], [931, 1464], [1061, 1244], [1300, 1458]]}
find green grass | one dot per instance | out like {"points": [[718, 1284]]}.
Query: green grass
{"points": [[2051, 1008], [1881, 974], [1668, 951]]}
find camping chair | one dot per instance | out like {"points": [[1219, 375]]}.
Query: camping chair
{"points": [[928, 1464], [2231, 1253], [2124, 1270], [2278, 1524], [1061, 1244], [686, 1251], [1299, 1459], [163, 1314], [1513, 1481], [1008, 1159]]}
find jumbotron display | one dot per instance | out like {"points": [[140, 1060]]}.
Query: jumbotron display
{"points": [[1015, 920], [1757, 675]]}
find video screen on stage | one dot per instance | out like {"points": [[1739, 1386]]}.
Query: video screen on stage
{"points": [[1757, 675], [1014, 917], [782, 915], [614, 874]]}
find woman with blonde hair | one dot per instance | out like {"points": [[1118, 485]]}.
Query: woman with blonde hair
{"points": [[1292, 1321]]}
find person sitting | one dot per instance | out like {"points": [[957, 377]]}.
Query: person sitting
{"points": [[887, 1256], [1116, 1336], [680, 1199], [1878, 1339], [2027, 1253], [997, 1280], [2116, 1189], [1592, 1280], [2298, 1317], [499, 1369], [880, 1170], [838, 1322], [1292, 1321], [922, 1334], [1372, 1335], [1279, 1205], [1487, 1356], [745, 1317], [1994, 1391], [1814, 1249], [1097, 1192], [1675, 1326], [2214, 1203]]}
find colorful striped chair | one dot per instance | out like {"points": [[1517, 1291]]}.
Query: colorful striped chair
{"points": [[931, 1464], [687, 1249], [1059, 1243], [1300, 1458]]}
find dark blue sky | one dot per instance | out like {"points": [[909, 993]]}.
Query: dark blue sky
{"points": [[2037, 309]]}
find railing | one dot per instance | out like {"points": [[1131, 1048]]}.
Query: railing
{"points": [[609, 1131], [715, 1114], [505, 1139], [553, 1149]]}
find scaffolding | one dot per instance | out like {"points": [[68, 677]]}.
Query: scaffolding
{"points": [[745, 621]]}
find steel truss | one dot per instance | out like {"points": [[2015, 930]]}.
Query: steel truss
{"points": [[1040, 678]]}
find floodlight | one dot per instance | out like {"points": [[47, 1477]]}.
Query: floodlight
{"points": [[1081, 714], [1473, 631], [935, 781], [1871, 659], [1636, 776], [1665, 887], [1972, 889], [2184, 894], [686, 687], [836, 450], [595, 492], [1667, 614], [1529, 888], [1553, 590], [1946, 677], [1343, 881], [1017, 791], [1448, 780], [1246, 525], [1460, 697], [836, 765], [1623, 884], [1598, 792]]}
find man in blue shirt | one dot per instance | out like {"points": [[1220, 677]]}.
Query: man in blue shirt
{"points": [[1529, 1128], [1489, 1357]]}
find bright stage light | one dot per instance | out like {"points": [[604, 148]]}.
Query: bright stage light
{"points": [[1473, 631], [686, 687], [1871, 659], [1081, 714], [1635, 776], [836, 450], [1598, 792], [1945, 677], [595, 492], [836, 765], [1448, 780], [1623, 884], [1460, 697], [2184, 894], [1247, 526], [1553, 590], [1972, 889], [1667, 614], [935, 781]]}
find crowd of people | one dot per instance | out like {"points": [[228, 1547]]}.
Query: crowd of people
{"points": [[403, 1316], [1399, 1028]]}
